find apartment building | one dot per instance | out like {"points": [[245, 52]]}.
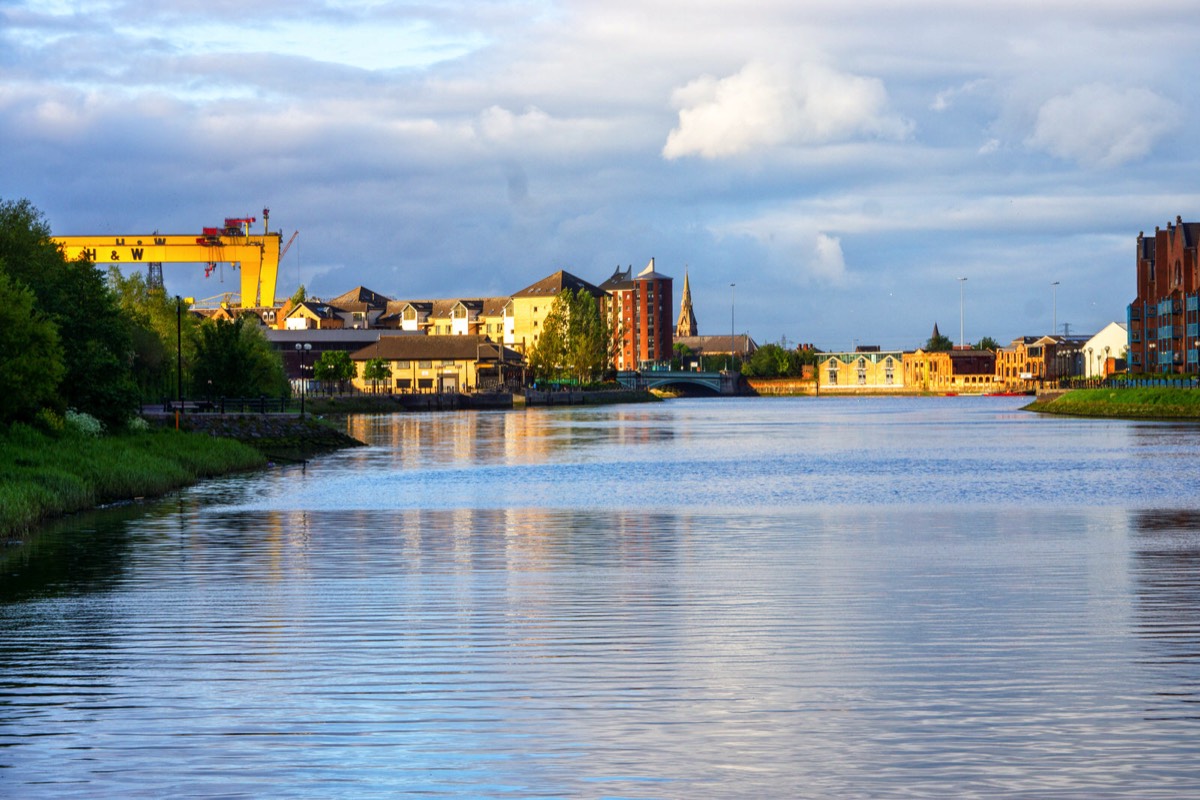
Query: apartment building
{"points": [[1163, 320]]}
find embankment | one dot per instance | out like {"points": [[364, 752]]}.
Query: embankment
{"points": [[1163, 403], [45, 475]]}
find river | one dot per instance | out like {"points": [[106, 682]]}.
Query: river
{"points": [[890, 597]]}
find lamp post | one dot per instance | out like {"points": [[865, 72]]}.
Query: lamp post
{"points": [[1054, 306], [178, 357], [732, 312], [961, 339], [302, 350]]}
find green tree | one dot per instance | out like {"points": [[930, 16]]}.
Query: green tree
{"points": [[158, 330], [31, 359], [938, 343], [574, 342], [93, 332], [680, 352], [773, 361], [375, 370], [986, 343], [234, 359], [334, 366]]}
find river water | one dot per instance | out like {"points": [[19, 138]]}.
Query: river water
{"points": [[921, 597]]}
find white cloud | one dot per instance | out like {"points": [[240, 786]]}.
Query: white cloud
{"points": [[1103, 126], [765, 105], [829, 262]]}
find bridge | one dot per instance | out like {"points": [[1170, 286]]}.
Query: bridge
{"points": [[716, 382]]}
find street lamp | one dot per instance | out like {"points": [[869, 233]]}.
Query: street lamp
{"points": [[732, 312], [1054, 306], [961, 339], [302, 350], [178, 356]]}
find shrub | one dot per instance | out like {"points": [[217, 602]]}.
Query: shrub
{"points": [[84, 424]]}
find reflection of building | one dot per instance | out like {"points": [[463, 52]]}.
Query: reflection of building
{"points": [[970, 371], [1164, 318], [866, 369], [639, 314], [437, 363]]}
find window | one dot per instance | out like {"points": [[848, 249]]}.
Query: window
{"points": [[426, 365], [403, 365], [833, 372]]}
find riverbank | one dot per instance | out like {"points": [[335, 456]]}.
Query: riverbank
{"points": [[1134, 403], [46, 475]]}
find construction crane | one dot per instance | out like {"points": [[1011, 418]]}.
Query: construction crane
{"points": [[288, 246], [257, 254]]}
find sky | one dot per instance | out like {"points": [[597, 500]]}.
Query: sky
{"points": [[825, 171]]}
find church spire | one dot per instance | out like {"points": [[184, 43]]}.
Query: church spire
{"points": [[687, 318]]}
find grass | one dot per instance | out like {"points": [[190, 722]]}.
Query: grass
{"points": [[44, 475], [1134, 403]]}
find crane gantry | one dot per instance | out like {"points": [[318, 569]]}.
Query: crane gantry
{"points": [[257, 255]]}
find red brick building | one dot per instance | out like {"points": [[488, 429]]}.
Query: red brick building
{"points": [[1164, 318], [639, 313]]}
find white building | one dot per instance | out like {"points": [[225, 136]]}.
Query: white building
{"points": [[1110, 342]]}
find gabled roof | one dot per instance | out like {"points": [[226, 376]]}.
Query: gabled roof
{"points": [[360, 299], [621, 279], [552, 285], [493, 306], [317, 309]]}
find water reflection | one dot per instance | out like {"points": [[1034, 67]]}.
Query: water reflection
{"points": [[1166, 572], [637, 602]]}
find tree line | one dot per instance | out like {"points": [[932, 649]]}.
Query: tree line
{"points": [[75, 337]]}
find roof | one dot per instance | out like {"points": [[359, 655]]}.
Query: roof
{"points": [[350, 337], [360, 299], [621, 279], [317, 309], [742, 343], [552, 285], [649, 274], [418, 348]]}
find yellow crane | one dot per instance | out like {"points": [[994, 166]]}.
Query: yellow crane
{"points": [[256, 254]]}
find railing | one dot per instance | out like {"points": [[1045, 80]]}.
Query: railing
{"points": [[235, 405], [1157, 381]]}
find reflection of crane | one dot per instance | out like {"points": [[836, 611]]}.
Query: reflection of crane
{"points": [[258, 254]]}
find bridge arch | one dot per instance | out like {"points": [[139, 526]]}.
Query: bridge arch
{"points": [[715, 382]]}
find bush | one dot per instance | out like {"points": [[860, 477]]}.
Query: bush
{"points": [[83, 424]]}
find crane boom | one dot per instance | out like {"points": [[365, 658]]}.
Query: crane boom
{"points": [[258, 254], [288, 246]]}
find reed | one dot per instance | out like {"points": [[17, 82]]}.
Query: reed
{"points": [[44, 475]]}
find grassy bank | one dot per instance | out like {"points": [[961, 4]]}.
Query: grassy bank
{"points": [[1138, 403], [46, 475]]}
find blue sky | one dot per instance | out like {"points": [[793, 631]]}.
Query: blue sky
{"points": [[843, 163]]}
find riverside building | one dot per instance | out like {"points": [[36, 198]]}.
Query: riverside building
{"points": [[1164, 319]]}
